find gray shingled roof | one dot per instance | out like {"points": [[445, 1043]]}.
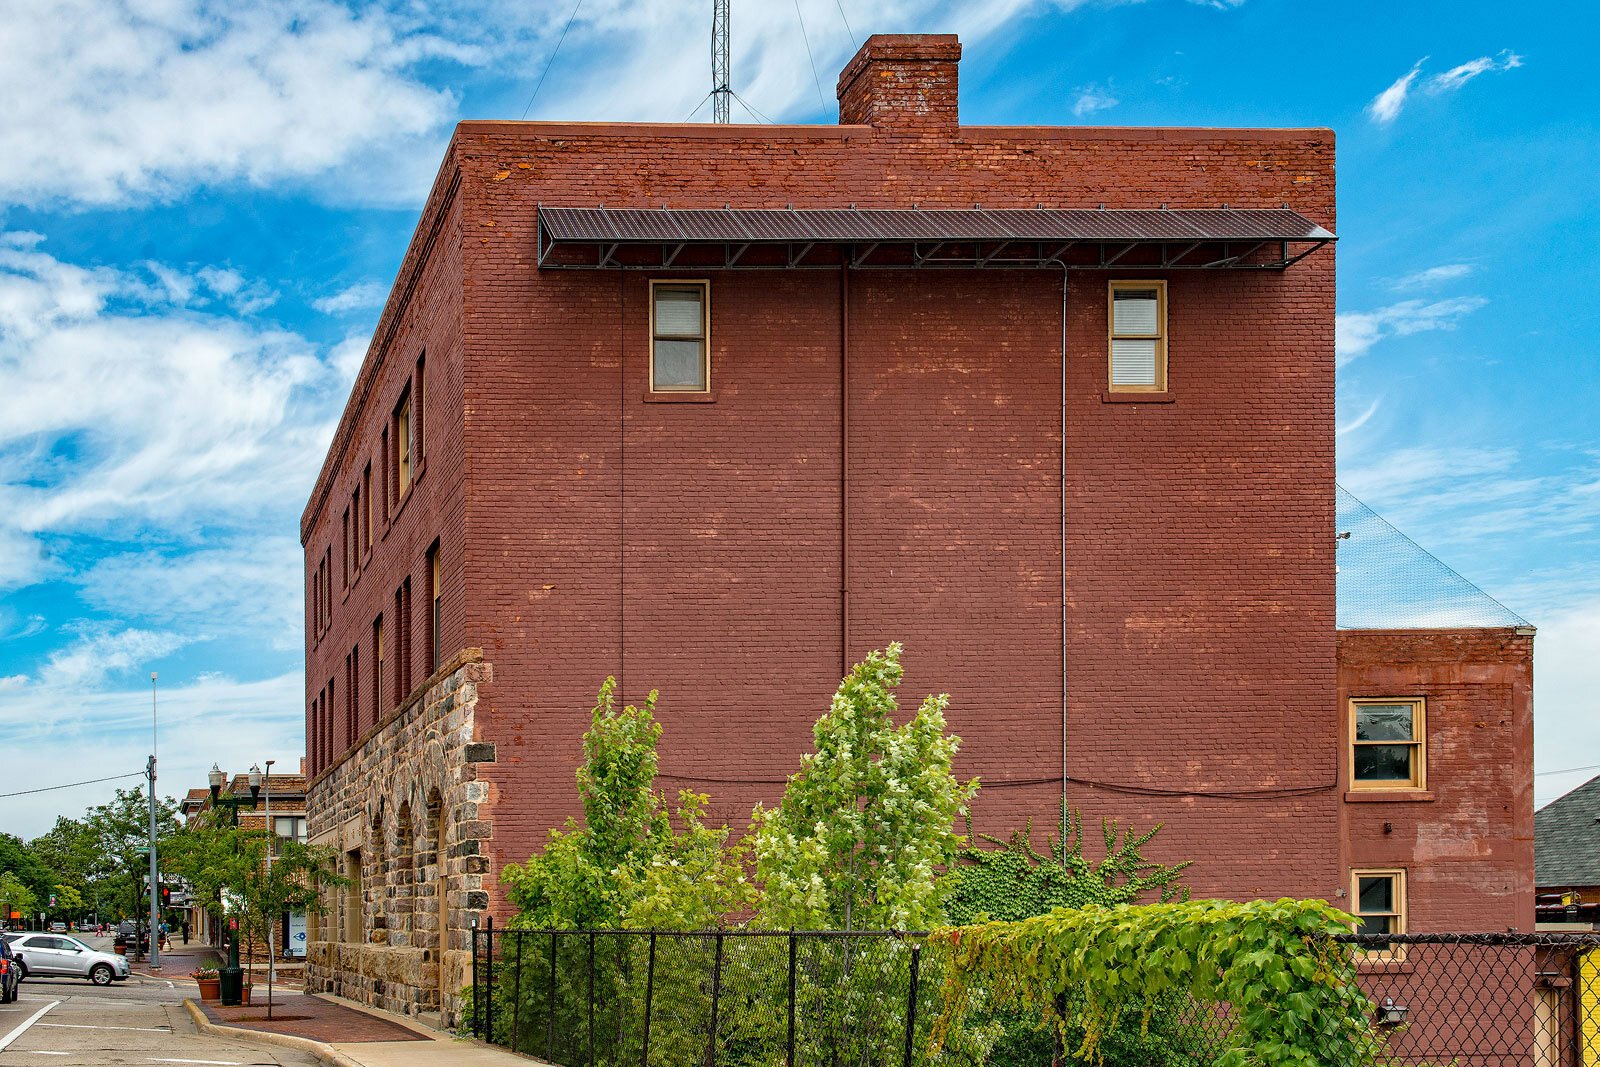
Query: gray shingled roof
{"points": [[1566, 834]]}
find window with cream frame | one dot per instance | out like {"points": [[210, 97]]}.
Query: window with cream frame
{"points": [[1378, 901], [1136, 318], [1388, 743], [680, 337]]}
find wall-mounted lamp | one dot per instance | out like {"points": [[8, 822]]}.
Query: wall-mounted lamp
{"points": [[1391, 1013]]}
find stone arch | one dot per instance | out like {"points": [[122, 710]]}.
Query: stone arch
{"points": [[435, 859], [375, 877], [401, 876]]}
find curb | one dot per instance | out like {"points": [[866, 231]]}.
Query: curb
{"points": [[324, 1052]]}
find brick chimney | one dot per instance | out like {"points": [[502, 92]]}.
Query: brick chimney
{"points": [[902, 82]]}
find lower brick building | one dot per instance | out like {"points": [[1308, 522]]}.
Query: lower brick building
{"points": [[715, 410]]}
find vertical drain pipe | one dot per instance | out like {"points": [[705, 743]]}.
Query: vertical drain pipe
{"points": [[844, 468], [1065, 275]]}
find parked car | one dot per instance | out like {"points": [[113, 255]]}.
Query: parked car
{"points": [[59, 956], [10, 973], [58, 928]]}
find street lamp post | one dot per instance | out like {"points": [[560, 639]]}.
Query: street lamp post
{"points": [[232, 976], [272, 920]]}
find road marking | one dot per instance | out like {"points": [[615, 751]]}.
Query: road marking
{"points": [[5, 1042], [42, 1052], [86, 1026], [212, 1063]]}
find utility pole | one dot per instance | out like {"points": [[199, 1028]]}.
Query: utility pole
{"points": [[155, 884], [721, 86], [272, 924]]}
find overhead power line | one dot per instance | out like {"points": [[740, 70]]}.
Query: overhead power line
{"points": [[72, 785], [806, 40], [552, 60]]}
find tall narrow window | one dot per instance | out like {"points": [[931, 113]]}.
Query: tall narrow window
{"points": [[366, 504], [385, 475], [402, 445], [351, 709], [344, 550], [1388, 744], [419, 413], [435, 611], [1138, 323], [327, 588], [679, 352], [377, 668], [402, 641], [352, 694]]}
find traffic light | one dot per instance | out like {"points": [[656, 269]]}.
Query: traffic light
{"points": [[166, 895]]}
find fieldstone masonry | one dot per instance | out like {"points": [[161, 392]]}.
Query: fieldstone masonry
{"points": [[405, 808]]}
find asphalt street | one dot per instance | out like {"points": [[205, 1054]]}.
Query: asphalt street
{"points": [[59, 1021]]}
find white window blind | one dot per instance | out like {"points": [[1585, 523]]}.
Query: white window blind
{"points": [[1137, 311], [1133, 361], [678, 313]]}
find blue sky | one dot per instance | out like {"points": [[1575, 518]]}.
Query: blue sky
{"points": [[202, 205]]}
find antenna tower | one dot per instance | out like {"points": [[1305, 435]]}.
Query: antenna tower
{"points": [[721, 90]]}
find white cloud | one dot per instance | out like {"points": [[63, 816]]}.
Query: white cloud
{"points": [[1092, 98], [205, 589], [117, 413], [1457, 76], [1360, 420], [61, 735], [361, 296], [1356, 332], [97, 655], [1432, 277], [1566, 692], [1387, 105], [111, 101]]}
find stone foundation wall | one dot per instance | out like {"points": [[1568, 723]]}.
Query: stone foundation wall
{"points": [[407, 804]]}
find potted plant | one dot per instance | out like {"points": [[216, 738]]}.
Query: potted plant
{"points": [[210, 982], [244, 994]]}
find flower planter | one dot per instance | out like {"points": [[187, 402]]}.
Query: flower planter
{"points": [[244, 996], [210, 988]]}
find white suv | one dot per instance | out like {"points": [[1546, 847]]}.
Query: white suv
{"points": [[58, 956]]}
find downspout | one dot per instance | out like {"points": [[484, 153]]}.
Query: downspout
{"points": [[844, 468], [622, 484], [1065, 275]]}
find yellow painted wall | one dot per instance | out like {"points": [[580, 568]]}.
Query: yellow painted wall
{"points": [[1589, 1007]]}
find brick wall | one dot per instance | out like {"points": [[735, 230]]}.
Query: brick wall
{"points": [[1468, 845], [704, 548]]}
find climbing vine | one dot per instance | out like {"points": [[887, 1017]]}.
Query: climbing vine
{"points": [[1017, 881], [1290, 989]]}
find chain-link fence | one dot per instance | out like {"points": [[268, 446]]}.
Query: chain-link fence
{"points": [[740, 998]]}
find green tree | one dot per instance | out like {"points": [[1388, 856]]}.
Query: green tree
{"points": [[626, 860], [15, 896], [120, 832], [20, 860], [226, 867], [867, 825]]}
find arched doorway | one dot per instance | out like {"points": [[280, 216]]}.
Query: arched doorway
{"points": [[441, 895]]}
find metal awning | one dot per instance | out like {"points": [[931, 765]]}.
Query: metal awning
{"points": [[1168, 239]]}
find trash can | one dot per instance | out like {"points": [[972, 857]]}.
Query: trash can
{"points": [[231, 985]]}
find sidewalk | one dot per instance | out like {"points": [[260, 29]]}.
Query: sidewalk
{"points": [[344, 1034], [178, 961]]}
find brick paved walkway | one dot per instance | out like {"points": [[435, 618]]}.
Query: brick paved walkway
{"points": [[180, 960], [310, 1017]]}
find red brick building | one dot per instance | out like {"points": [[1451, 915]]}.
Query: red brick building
{"points": [[717, 409]]}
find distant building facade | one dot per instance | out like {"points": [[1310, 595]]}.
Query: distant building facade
{"points": [[1079, 461], [1567, 859]]}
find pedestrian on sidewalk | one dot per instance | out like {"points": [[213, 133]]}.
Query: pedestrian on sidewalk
{"points": [[186, 931]]}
